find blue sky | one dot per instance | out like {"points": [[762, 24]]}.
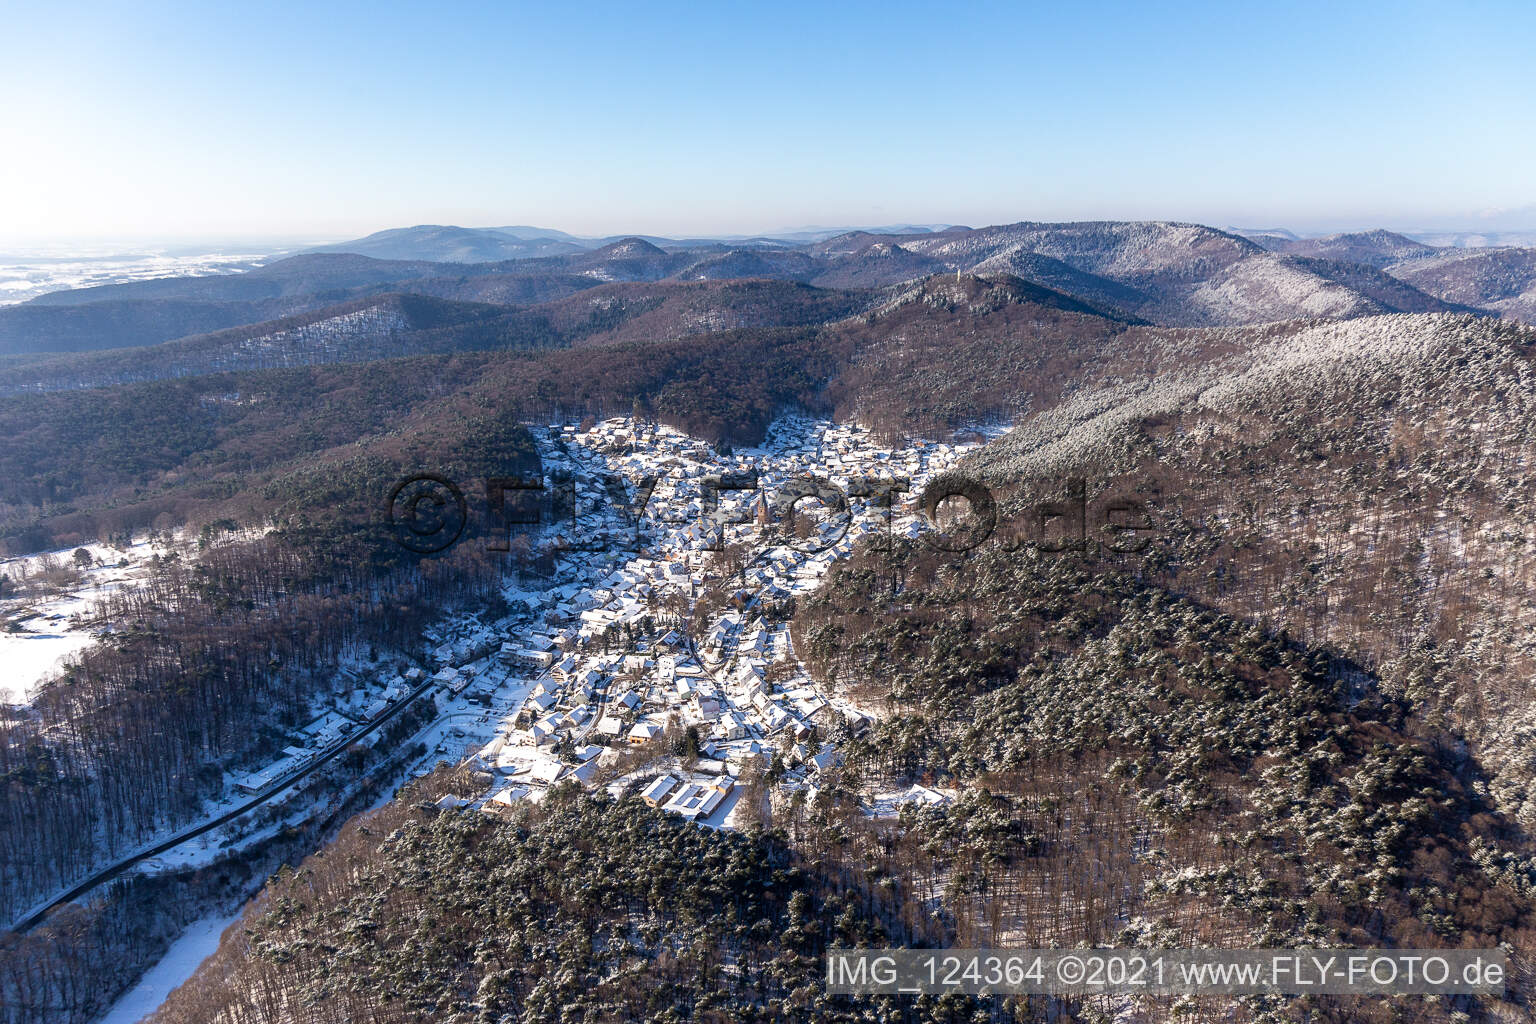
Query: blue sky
{"points": [[313, 121]]}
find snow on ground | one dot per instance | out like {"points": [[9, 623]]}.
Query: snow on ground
{"points": [[196, 944], [890, 803], [27, 275], [46, 628], [28, 657], [541, 697], [585, 704]]}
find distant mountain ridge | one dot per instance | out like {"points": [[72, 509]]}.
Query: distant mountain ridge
{"points": [[1374, 248], [391, 325], [449, 244], [1168, 273], [1493, 278]]}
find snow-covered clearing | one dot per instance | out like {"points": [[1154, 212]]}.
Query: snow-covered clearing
{"points": [[194, 946], [49, 603]]}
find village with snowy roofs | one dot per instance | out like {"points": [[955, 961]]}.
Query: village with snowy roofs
{"points": [[603, 678]]}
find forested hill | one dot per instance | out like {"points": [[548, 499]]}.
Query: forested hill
{"points": [[582, 908], [100, 461], [1167, 273], [1190, 745], [1137, 770], [384, 326], [1362, 486], [1302, 716]]}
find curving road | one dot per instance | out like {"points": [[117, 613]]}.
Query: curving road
{"points": [[327, 754]]}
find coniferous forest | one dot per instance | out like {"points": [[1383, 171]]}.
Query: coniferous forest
{"points": [[1298, 716]]}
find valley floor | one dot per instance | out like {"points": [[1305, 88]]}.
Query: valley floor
{"points": [[667, 670], [656, 659], [183, 958]]}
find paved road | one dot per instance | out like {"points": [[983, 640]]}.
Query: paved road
{"points": [[327, 754], [36, 915]]}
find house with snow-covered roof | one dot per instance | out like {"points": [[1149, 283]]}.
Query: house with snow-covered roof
{"points": [[656, 793], [731, 726], [644, 732], [547, 770], [699, 800], [544, 730], [505, 798]]}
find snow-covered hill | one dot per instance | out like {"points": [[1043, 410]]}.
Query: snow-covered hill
{"points": [[1363, 484]]}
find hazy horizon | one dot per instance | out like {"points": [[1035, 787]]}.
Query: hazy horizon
{"points": [[667, 511], [102, 247]]}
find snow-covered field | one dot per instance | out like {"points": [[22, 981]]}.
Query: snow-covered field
{"points": [[28, 657], [50, 628], [26, 275]]}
